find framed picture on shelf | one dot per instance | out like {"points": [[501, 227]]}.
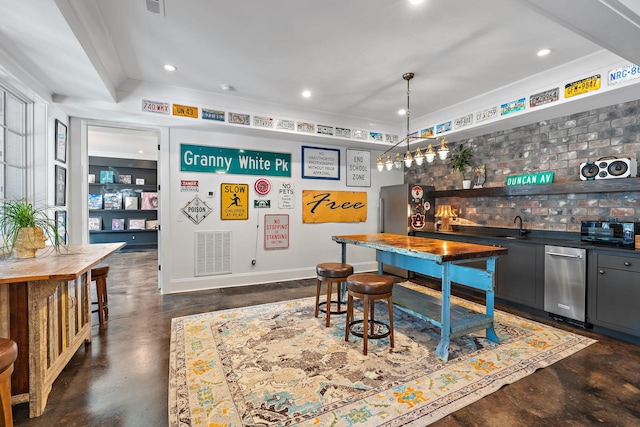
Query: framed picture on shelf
{"points": [[61, 225], [106, 177], [125, 179], [61, 186], [152, 224], [61, 141], [136, 224], [95, 223], [149, 201], [92, 178], [95, 201], [131, 203], [113, 201], [117, 224], [139, 181]]}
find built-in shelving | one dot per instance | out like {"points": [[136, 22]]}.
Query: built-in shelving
{"points": [[144, 233]]}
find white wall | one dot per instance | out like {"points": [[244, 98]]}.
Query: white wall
{"points": [[309, 243]]}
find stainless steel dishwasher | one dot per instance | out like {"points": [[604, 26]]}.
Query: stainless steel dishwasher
{"points": [[565, 284]]}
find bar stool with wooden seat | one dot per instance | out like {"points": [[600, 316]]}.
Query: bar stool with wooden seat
{"points": [[369, 287], [8, 355], [331, 272], [99, 275]]}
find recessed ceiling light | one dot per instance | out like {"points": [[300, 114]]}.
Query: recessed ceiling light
{"points": [[543, 52], [170, 67], [306, 93], [226, 87], [415, 1], [402, 111], [140, 152]]}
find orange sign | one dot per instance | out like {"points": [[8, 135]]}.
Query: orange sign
{"points": [[185, 111], [333, 206]]}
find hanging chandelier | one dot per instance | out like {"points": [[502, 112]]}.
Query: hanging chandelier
{"points": [[419, 157]]}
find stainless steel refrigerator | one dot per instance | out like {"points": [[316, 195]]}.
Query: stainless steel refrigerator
{"points": [[403, 209]]}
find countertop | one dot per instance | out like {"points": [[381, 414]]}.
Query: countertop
{"points": [[67, 264], [431, 249], [534, 237]]}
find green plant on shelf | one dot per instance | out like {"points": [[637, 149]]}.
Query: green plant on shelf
{"points": [[460, 159]]}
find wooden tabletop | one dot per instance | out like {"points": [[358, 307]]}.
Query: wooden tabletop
{"points": [[421, 247], [68, 264]]}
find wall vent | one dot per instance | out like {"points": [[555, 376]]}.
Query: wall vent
{"points": [[212, 253]]}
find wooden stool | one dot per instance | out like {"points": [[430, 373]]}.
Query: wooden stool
{"points": [[8, 355], [331, 272], [369, 287], [99, 275]]}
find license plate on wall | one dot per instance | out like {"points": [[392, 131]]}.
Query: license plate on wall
{"points": [[582, 86]]}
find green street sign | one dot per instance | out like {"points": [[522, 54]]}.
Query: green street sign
{"points": [[200, 158], [530, 179], [262, 203]]}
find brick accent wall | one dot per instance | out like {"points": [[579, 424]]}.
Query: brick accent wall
{"points": [[559, 145]]}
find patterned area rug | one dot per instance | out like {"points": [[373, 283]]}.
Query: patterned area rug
{"points": [[278, 365]]}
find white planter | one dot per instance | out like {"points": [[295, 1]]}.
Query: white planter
{"points": [[466, 184]]}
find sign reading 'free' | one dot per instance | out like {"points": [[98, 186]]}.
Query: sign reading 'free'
{"points": [[199, 158]]}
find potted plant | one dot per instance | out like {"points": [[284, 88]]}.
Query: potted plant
{"points": [[26, 228], [460, 159]]}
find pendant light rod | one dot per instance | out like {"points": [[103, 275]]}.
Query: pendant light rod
{"points": [[419, 157], [408, 77]]}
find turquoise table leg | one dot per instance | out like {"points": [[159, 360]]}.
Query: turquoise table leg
{"points": [[489, 303], [442, 351]]}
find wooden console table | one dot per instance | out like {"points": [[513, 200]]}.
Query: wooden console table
{"points": [[45, 308], [440, 259]]}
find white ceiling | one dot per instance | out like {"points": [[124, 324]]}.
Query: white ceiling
{"points": [[88, 56]]}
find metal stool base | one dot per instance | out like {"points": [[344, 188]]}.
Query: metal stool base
{"points": [[356, 328], [324, 310]]}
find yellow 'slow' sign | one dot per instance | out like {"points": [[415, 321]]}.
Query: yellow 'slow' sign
{"points": [[234, 201], [333, 206]]}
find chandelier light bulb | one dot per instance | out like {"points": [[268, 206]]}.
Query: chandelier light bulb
{"points": [[419, 157], [408, 159], [380, 164], [388, 164], [443, 152], [398, 161], [430, 155]]}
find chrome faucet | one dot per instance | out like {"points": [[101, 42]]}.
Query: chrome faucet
{"points": [[521, 231]]}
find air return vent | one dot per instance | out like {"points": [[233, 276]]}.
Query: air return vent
{"points": [[212, 252]]}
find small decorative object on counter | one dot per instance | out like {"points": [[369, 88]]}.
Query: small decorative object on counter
{"points": [[445, 213], [26, 228]]}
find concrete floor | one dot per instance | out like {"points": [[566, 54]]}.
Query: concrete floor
{"points": [[121, 378]]}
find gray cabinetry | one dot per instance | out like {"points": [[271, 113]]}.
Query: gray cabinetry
{"points": [[519, 274], [614, 291]]}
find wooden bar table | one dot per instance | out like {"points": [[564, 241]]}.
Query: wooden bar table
{"points": [[45, 307], [440, 259]]}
